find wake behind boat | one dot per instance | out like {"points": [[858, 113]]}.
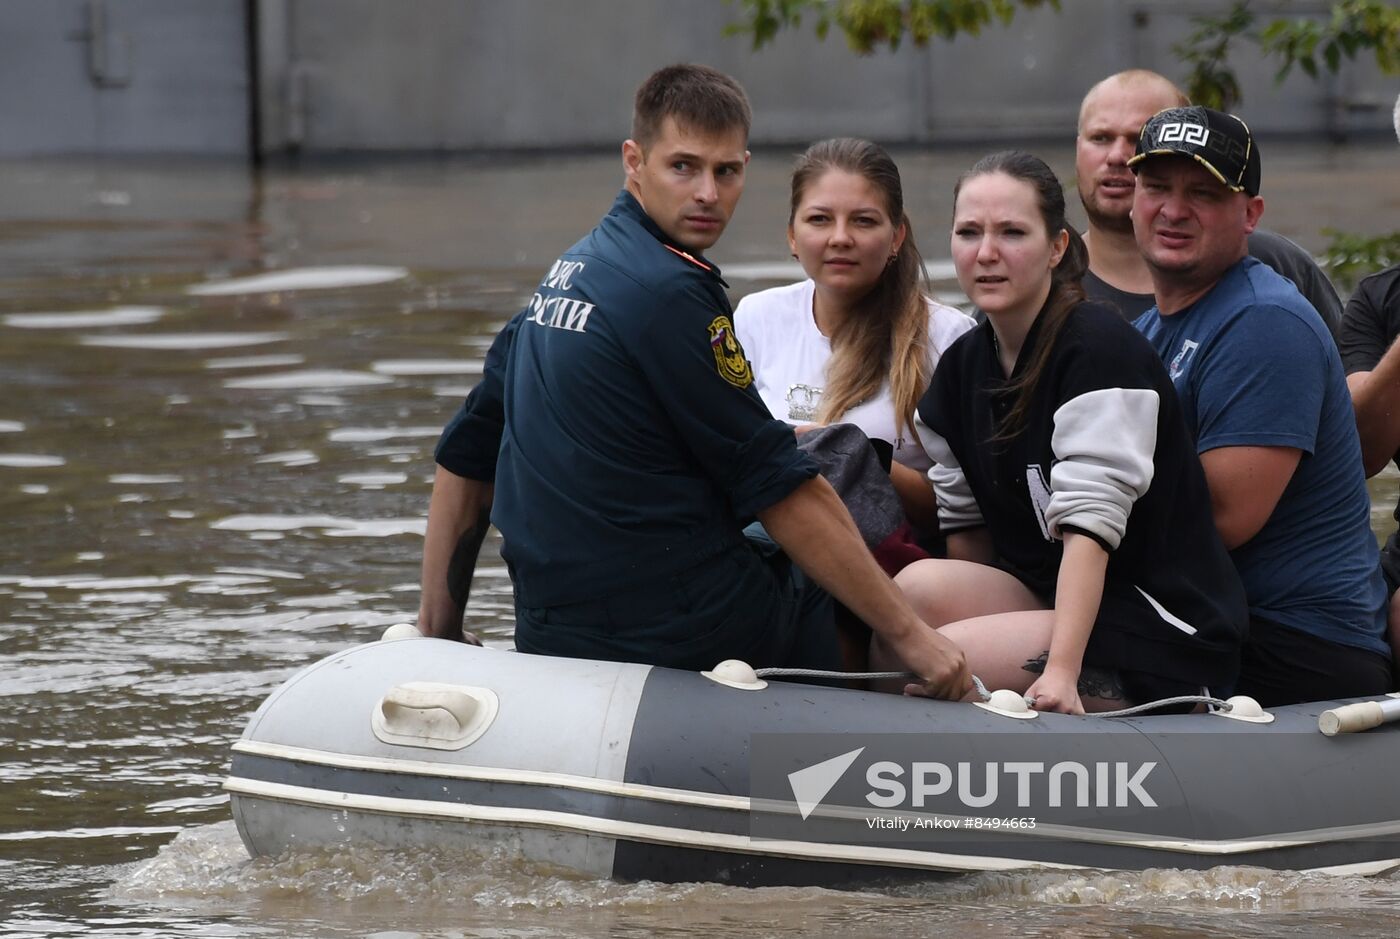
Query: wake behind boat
{"points": [[634, 772]]}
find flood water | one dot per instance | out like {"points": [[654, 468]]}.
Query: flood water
{"points": [[210, 479]]}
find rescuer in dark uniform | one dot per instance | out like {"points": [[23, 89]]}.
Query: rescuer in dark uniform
{"points": [[627, 446]]}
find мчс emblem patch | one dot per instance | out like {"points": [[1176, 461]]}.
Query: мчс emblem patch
{"points": [[729, 355]]}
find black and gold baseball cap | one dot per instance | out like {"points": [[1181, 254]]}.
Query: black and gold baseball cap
{"points": [[1218, 141]]}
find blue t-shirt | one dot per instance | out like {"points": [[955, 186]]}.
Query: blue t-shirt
{"points": [[1254, 366]]}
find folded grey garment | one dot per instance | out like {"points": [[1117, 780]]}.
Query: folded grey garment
{"points": [[848, 461]]}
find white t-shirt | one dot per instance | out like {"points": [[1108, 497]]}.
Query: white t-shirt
{"points": [[778, 331]]}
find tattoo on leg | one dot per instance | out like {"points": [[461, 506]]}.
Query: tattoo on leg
{"points": [[1100, 683], [1093, 682]]}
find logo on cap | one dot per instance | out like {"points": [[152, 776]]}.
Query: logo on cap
{"points": [[1218, 141], [1186, 133]]}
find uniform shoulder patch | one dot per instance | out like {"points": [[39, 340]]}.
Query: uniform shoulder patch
{"points": [[729, 355]]}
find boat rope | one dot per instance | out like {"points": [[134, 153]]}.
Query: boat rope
{"points": [[874, 676], [829, 673], [1218, 703], [986, 695]]}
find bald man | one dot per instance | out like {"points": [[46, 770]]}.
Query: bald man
{"points": [[1110, 119]]}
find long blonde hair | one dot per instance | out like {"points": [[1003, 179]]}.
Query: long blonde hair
{"points": [[885, 338]]}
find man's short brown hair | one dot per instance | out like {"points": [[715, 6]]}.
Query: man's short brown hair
{"points": [[698, 97]]}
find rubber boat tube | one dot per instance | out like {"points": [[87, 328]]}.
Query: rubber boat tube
{"points": [[633, 772]]}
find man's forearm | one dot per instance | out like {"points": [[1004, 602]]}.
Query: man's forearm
{"points": [[1375, 397], [813, 526], [458, 516], [815, 529]]}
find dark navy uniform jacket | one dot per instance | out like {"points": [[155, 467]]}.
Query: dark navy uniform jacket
{"points": [[632, 444]]}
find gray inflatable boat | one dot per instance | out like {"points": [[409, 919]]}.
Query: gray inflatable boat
{"points": [[633, 772]]}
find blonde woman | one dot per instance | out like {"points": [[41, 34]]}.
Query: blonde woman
{"points": [[858, 340]]}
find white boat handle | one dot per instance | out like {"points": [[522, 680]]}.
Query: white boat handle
{"points": [[1354, 718], [437, 716], [460, 705]]}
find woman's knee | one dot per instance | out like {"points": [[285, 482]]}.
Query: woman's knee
{"points": [[942, 590], [927, 588]]}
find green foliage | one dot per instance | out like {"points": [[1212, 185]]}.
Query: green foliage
{"points": [[1350, 257], [1355, 25], [1210, 80], [869, 24], [764, 19], [1310, 44]]}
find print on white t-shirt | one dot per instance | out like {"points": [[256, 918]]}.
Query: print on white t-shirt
{"points": [[788, 355]]}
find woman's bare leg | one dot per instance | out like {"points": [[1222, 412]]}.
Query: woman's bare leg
{"points": [[943, 591], [1009, 650], [1001, 626]]}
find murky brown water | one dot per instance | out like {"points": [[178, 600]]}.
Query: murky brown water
{"points": [[206, 489]]}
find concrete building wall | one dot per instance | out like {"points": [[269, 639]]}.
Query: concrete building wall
{"points": [[123, 77], [471, 74], [172, 76]]}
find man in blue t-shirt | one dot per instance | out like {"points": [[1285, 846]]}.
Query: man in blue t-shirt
{"points": [[617, 442], [1262, 390]]}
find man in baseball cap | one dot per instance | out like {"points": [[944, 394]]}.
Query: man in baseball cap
{"points": [[1263, 392]]}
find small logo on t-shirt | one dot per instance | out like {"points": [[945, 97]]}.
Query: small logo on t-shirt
{"points": [[803, 401], [1183, 359]]}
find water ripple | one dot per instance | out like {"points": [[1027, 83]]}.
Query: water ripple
{"points": [[324, 378], [375, 434], [306, 278], [86, 319], [31, 460], [176, 341], [331, 525], [254, 361], [429, 367]]}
